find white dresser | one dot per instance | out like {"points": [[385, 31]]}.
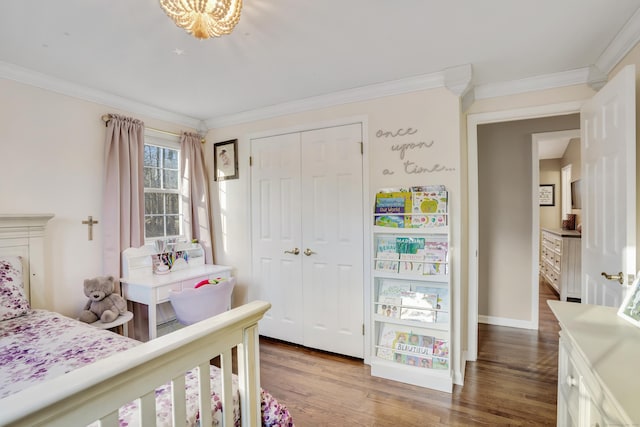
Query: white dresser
{"points": [[598, 375], [140, 284], [561, 262]]}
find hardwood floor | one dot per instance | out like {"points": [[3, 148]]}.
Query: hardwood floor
{"points": [[512, 383]]}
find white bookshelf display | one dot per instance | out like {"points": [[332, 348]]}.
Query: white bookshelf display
{"points": [[411, 292]]}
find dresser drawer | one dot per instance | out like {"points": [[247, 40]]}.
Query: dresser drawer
{"points": [[162, 294], [568, 380]]}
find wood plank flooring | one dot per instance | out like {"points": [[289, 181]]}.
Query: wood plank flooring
{"points": [[512, 383]]}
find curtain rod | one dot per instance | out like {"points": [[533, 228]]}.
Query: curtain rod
{"points": [[105, 119]]}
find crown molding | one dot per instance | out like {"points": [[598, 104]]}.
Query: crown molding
{"points": [[624, 41], [364, 93], [63, 87], [458, 81], [542, 82]]}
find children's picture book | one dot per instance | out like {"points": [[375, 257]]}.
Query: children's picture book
{"points": [[386, 247], [385, 342], [388, 308], [409, 343], [440, 363], [392, 288], [410, 245], [415, 268], [436, 256], [388, 266], [419, 306], [412, 253], [434, 206], [390, 209], [426, 362], [441, 348]]}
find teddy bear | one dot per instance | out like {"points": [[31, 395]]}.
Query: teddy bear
{"points": [[103, 304]]}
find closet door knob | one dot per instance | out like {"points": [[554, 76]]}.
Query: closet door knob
{"points": [[308, 252], [619, 277], [294, 251]]}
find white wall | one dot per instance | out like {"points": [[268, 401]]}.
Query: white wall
{"points": [[52, 162]]}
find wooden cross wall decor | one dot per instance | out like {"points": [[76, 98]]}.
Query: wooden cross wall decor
{"points": [[90, 222]]}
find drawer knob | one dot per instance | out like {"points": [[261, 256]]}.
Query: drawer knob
{"points": [[571, 382]]}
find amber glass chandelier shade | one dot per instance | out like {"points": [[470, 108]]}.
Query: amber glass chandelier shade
{"points": [[204, 18]]}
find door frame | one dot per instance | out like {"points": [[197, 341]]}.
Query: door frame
{"points": [[363, 120], [473, 121]]}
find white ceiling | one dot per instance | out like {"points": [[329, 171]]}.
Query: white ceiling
{"points": [[552, 145], [128, 52]]}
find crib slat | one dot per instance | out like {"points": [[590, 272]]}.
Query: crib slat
{"points": [[249, 377], [178, 400], [227, 392], [110, 420], [204, 383], [147, 413]]}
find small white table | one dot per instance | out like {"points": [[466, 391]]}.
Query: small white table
{"points": [[153, 289], [123, 320]]}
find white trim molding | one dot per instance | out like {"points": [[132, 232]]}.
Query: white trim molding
{"points": [[511, 323], [64, 87], [364, 93], [624, 41]]}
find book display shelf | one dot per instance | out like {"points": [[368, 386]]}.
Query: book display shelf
{"points": [[411, 287]]}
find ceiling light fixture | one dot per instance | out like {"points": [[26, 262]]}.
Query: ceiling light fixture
{"points": [[204, 18]]}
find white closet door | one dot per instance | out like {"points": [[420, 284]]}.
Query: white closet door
{"points": [[332, 233], [276, 230]]}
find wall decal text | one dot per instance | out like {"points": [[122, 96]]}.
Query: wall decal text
{"points": [[402, 148]]}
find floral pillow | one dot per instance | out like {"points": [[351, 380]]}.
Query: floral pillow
{"points": [[13, 302]]}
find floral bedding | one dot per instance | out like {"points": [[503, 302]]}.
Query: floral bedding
{"points": [[41, 345]]}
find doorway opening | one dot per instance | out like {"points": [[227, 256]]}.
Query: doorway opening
{"points": [[477, 199]]}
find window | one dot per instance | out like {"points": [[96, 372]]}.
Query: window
{"points": [[162, 207]]}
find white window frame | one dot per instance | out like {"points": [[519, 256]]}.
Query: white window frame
{"points": [[167, 141]]}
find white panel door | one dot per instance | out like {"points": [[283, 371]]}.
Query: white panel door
{"points": [[276, 234], [307, 234], [609, 172], [332, 232]]}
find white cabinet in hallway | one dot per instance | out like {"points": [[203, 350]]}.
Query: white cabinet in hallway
{"points": [[307, 237], [561, 261]]}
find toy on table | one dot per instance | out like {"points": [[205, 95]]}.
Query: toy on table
{"points": [[209, 282]]}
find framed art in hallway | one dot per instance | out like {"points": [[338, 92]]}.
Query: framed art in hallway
{"points": [[547, 194], [630, 308], [225, 160]]}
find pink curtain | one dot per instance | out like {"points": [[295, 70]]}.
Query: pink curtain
{"points": [[195, 193], [123, 202]]}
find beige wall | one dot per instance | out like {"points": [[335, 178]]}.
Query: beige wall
{"points": [[505, 214], [52, 162]]}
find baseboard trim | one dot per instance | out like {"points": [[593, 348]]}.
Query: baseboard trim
{"points": [[503, 321]]}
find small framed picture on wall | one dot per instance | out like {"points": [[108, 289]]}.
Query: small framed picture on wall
{"points": [[225, 160], [547, 194]]}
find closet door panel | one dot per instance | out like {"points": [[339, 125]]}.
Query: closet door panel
{"points": [[276, 232], [331, 182]]}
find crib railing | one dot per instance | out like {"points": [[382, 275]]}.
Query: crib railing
{"points": [[96, 391]]}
